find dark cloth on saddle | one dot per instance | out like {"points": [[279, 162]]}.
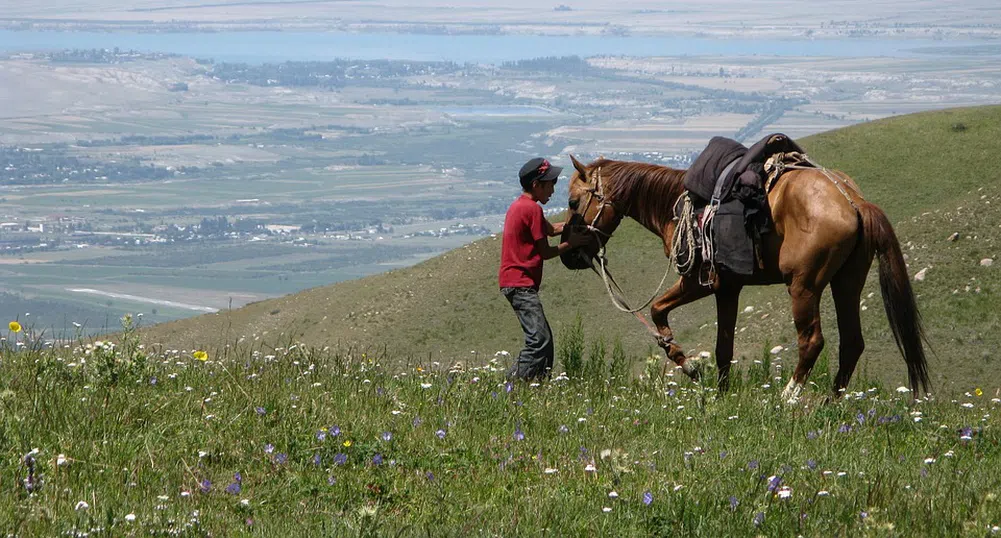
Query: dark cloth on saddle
{"points": [[743, 215], [701, 177]]}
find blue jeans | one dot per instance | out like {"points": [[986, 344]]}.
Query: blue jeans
{"points": [[536, 359]]}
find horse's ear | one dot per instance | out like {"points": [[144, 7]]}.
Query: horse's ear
{"points": [[580, 168]]}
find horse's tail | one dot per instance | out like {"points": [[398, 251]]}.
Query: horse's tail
{"points": [[898, 296]]}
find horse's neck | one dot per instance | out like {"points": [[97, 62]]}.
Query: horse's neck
{"points": [[650, 201]]}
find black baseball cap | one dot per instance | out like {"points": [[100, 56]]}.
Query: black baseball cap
{"points": [[538, 169]]}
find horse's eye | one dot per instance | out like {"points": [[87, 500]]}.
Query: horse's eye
{"points": [[573, 203]]}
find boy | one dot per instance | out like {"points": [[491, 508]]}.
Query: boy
{"points": [[524, 246]]}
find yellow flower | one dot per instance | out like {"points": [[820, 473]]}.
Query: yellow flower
{"points": [[14, 326], [201, 355], [347, 443], [978, 392]]}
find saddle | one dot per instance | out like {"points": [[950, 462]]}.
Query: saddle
{"points": [[725, 212]]}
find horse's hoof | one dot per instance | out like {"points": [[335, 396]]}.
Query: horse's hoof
{"points": [[665, 342], [693, 369]]}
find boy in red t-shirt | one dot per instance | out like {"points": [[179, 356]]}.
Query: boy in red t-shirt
{"points": [[524, 246]]}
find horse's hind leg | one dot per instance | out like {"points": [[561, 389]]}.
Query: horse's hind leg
{"points": [[806, 314], [846, 287], [726, 322], [684, 291]]}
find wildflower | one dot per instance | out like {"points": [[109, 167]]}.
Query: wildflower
{"points": [[377, 459], [200, 355], [549, 470], [812, 464], [773, 483], [784, 492], [563, 428], [753, 464], [430, 476], [269, 448], [759, 518], [417, 421], [61, 460], [823, 493], [863, 514], [811, 435], [321, 435], [606, 509], [518, 435], [334, 430], [903, 389], [425, 385], [845, 428], [280, 459], [978, 392], [340, 458], [508, 387], [82, 505], [316, 460], [440, 433], [205, 485], [234, 488], [347, 443], [16, 327], [929, 461], [613, 494], [331, 480], [387, 436], [130, 517]]}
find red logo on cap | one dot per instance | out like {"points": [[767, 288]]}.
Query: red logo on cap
{"points": [[544, 167]]}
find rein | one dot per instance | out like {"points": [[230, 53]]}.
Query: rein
{"points": [[616, 295]]}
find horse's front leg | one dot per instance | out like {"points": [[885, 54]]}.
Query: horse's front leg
{"points": [[684, 291]]}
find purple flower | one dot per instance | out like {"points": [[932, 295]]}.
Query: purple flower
{"points": [[812, 464], [647, 498], [860, 418], [863, 514], [670, 392], [269, 448], [281, 458], [334, 430], [316, 460], [417, 421], [773, 483], [321, 435], [377, 459], [733, 503], [845, 428], [205, 485], [380, 391], [238, 478], [260, 410], [508, 387], [811, 435], [518, 435], [563, 428], [440, 433], [233, 489], [387, 436], [152, 380], [753, 464], [759, 518], [340, 458], [430, 476], [723, 454], [331, 480]]}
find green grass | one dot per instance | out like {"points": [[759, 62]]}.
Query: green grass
{"points": [[920, 168], [159, 436]]}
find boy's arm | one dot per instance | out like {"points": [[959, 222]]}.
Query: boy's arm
{"points": [[548, 251]]}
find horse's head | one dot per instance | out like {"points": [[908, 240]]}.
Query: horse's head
{"points": [[590, 202]]}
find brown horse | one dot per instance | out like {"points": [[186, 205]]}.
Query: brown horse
{"points": [[824, 233]]}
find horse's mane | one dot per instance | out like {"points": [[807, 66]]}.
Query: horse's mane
{"points": [[646, 192]]}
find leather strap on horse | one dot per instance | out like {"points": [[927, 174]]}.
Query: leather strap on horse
{"points": [[778, 163], [617, 297]]}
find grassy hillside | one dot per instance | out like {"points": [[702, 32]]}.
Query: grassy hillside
{"points": [[934, 174]]}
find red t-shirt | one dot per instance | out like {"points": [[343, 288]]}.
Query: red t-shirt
{"points": [[521, 262]]}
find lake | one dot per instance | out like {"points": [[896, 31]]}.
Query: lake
{"points": [[261, 47]]}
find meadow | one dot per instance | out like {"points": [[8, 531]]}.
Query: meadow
{"points": [[112, 438]]}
